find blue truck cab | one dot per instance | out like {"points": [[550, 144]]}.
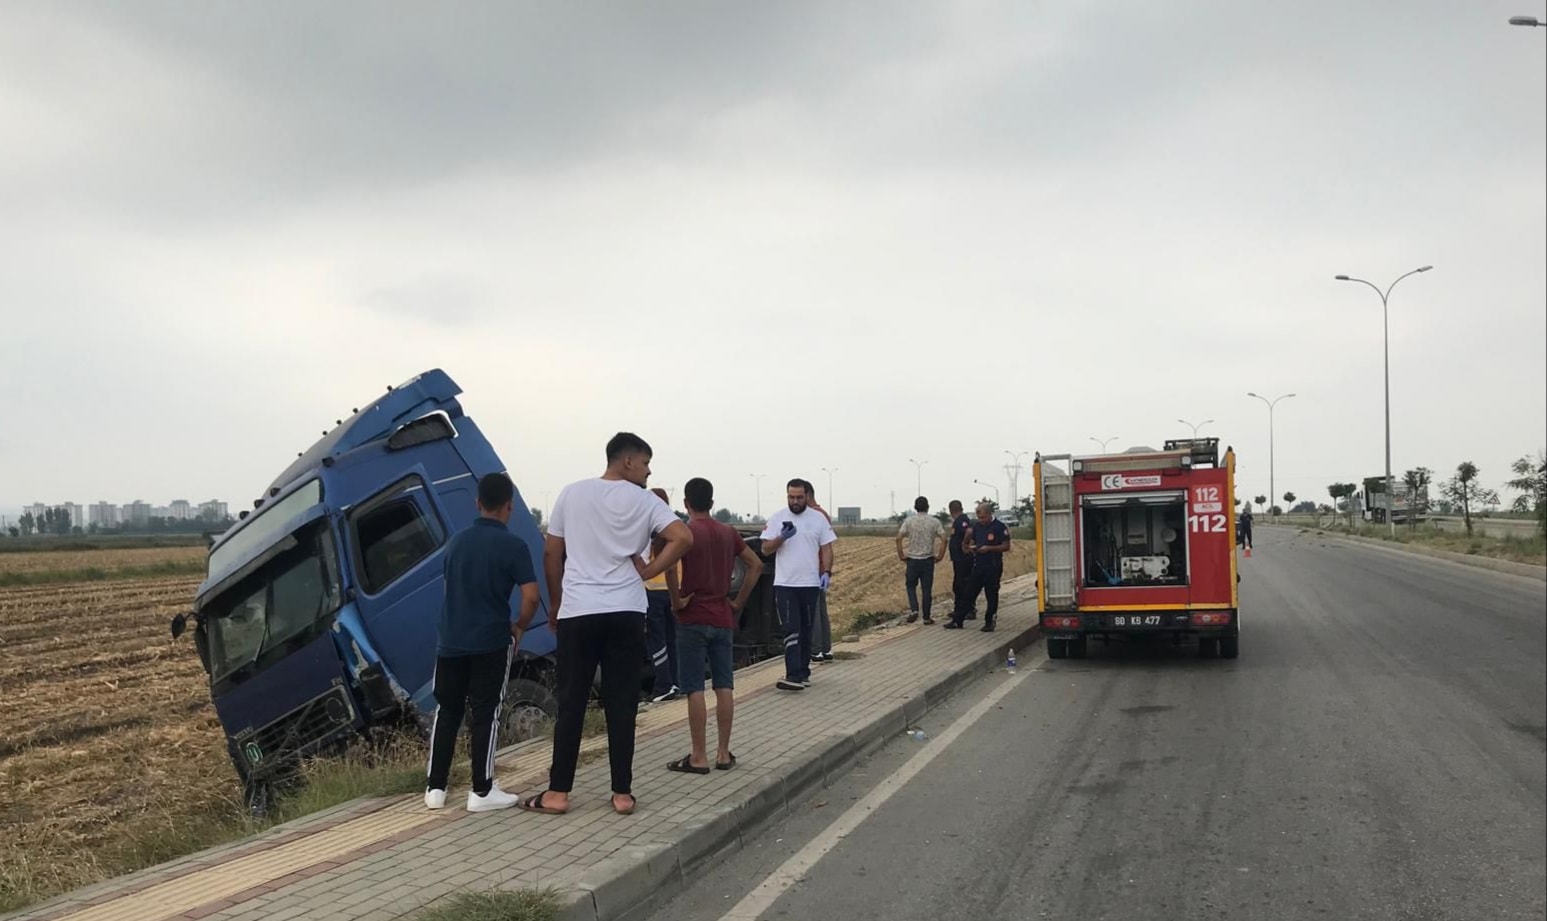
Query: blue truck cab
{"points": [[317, 618]]}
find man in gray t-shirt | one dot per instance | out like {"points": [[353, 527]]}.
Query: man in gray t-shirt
{"points": [[920, 545]]}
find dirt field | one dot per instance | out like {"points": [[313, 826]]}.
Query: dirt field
{"points": [[109, 748]]}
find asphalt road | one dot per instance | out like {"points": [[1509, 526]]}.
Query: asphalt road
{"points": [[1378, 751]]}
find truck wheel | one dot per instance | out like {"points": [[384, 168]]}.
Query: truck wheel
{"points": [[1078, 648], [1229, 647], [1208, 647], [1057, 649], [527, 712]]}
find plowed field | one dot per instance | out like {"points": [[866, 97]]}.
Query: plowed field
{"points": [[108, 742]]}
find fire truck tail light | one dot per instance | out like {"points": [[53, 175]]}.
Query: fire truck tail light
{"points": [[1210, 618], [1061, 623]]}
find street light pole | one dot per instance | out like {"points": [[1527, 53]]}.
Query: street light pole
{"points": [[1103, 442], [918, 471], [1385, 296], [830, 471], [758, 479], [1014, 471], [1526, 21], [1272, 485], [1195, 427], [993, 487]]}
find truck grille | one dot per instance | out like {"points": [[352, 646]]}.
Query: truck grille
{"points": [[298, 733]]}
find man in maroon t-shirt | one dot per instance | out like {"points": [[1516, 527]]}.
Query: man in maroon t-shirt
{"points": [[706, 624]]}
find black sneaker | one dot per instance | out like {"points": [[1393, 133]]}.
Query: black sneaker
{"points": [[929, 621], [952, 625], [786, 684], [912, 616], [987, 627], [971, 615]]}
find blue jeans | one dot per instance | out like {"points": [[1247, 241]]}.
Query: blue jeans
{"points": [[661, 639], [701, 648], [797, 614]]}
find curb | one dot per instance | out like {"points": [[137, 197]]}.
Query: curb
{"points": [[640, 878], [1510, 567]]}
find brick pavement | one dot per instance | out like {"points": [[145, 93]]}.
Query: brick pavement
{"points": [[386, 858]]}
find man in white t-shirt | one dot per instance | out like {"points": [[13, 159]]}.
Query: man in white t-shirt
{"points": [[801, 542], [597, 533]]}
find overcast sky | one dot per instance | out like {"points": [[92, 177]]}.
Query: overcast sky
{"points": [[770, 238]]}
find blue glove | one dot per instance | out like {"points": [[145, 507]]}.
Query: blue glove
{"points": [[787, 531], [826, 579]]}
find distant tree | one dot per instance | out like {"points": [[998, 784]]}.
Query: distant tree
{"points": [[94, 528], [1303, 508], [1260, 501], [1531, 482], [27, 523], [62, 523], [993, 507], [1465, 491], [1343, 498], [944, 517], [15, 531], [1289, 499], [1417, 481], [1026, 510], [537, 517]]}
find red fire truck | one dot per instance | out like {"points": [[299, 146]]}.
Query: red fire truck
{"points": [[1138, 544]]}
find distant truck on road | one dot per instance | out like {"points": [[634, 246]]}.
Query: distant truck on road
{"points": [[1138, 544]]}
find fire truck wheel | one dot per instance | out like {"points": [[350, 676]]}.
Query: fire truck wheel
{"points": [[1229, 647], [1057, 649], [1208, 647]]}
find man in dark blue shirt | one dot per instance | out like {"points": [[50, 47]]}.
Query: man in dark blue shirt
{"points": [[961, 563], [483, 566], [986, 543]]}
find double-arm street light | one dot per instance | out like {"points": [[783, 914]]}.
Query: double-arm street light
{"points": [[918, 470], [1385, 296], [1272, 497], [830, 471], [1195, 427], [1103, 442]]}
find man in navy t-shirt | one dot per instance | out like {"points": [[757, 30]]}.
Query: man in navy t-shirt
{"points": [[483, 566], [986, 543], [961, 563]]}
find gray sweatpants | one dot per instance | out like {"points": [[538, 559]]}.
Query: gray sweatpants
{"points": [[822, 636]]}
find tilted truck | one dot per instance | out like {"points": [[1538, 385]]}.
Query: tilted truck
{"points": [[316, 620], [1138, 544]]}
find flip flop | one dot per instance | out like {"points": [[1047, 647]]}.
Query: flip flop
{"points": [[685, 766], [726, 765], [535, 804], [632, 802]]}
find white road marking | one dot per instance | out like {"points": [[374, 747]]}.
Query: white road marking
{"points": [[795, 869]]}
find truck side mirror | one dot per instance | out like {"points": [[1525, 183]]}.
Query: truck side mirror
{"points": [[179, 625]]}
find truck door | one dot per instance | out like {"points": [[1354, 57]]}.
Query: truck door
{"points": [[396, 542]]}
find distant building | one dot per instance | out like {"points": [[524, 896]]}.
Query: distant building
{"points": [[103, 515], [37, 510], [180, 510], [77, 514], [213, 510], [136, 514], [848, 514]]}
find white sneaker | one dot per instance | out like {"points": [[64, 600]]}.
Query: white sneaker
{"points": [[489, 802], [671, 694], [434, 799]]}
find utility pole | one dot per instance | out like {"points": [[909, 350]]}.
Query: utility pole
{"points": [[758, 479], [1013, 471], [918, 483]]}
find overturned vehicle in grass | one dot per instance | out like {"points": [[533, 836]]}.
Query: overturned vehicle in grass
{"points": [[316, 620]]}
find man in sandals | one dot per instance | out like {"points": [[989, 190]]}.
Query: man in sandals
{"points": [[597, 533], [706, 624]]}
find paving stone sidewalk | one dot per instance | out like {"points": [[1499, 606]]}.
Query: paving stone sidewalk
{"points": [[387, 858]]}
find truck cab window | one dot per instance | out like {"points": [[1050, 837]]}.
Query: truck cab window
{"points": [[393, 534]]}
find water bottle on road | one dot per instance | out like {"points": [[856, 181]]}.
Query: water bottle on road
{"points": [[1010, 663]]}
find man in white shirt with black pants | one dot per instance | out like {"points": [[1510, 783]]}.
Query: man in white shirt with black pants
{"points": [[597, 533], [801, 543]]}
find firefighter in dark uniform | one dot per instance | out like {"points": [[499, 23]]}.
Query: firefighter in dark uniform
{"points": [[986, 544], [961, 564]]}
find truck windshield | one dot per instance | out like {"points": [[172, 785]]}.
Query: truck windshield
{"points": [[278, 603], [267, 527]]}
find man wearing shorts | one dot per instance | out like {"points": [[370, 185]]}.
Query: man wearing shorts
{"points": [[706, 624]]}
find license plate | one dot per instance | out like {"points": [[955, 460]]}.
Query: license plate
{"points": [[1135, 620]]}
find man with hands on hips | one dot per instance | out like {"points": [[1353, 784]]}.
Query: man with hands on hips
{"points": [[801, 542]]}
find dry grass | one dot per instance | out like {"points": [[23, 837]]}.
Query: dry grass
{"points": [[108, 561], [1531, 549]]}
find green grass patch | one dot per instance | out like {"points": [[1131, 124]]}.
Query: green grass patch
{"points": [[866, 620], [98, 574], [521, 905], [49, 543], [1532, 549]]}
